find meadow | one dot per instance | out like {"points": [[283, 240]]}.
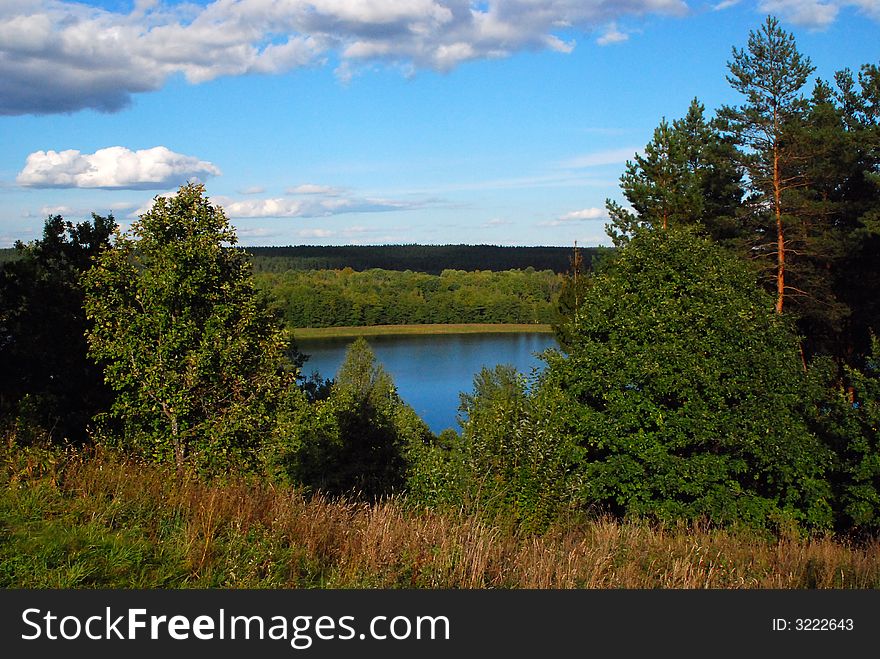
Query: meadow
{"points": [[75, 519]]}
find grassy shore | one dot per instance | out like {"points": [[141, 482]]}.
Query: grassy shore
{"points": [[74, 520], [394, 330]]}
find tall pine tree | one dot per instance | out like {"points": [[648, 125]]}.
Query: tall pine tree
{"points": [[770, 74]]}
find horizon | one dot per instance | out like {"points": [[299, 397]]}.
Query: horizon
{"points": [[320, 123]]}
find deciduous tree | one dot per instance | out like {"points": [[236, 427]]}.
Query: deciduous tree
{"points": [[685, 391], [193, 352]]}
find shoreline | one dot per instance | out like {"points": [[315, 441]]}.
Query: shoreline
{"points": [[427, 329]]}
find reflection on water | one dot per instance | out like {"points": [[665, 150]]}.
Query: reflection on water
{"points": [[431, 371]]}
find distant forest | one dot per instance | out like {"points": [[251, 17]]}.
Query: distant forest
{"points": [[333, 298], [430, 259]]}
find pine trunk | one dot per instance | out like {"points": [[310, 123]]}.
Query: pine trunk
{"points": [[780, 233]]}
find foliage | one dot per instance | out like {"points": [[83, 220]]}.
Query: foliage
{"points": [[511, 465], [848, 420], [806, 209], [334, 298], [688, 175], [684, 390], [192, 351], [47, 380], [355, 440], [770, 74]]}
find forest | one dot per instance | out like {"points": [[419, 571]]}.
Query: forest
{"points": [[718, 379], [429, 259], [338, 298]]}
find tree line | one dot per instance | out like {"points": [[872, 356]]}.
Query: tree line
{"points": [[338, 298], [720, 364], [430, 259]]}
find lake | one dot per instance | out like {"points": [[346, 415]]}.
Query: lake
{"points": [[431, 370]]}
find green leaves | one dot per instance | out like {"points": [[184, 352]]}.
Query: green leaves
{"points": [[192, 350], [359, 441], [684, 389]]}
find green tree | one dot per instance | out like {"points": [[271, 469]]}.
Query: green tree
{"points": [[521, 463], [847, 418], [193, 352], [685, 391], [770, 74], [512, 464], [857, 275], [687, 175], [356, 441], [47, 380]]}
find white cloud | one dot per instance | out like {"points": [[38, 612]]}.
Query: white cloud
{"points": [[113, 167], [314, 233], [56, 210], [63, 56], [817, 14], [612, 35], [577, 216], [809, 13], [585, 214], [249, 234], [254, 189], [313, 205]]}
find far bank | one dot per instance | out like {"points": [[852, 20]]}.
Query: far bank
{"points": [[427, 329]]}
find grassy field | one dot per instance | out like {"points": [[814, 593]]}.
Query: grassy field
{"points": [[77, 520], [392, 330]]}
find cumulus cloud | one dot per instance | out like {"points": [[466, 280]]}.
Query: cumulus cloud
{"points": [[63, 56], [577, 216], [112, 168], [809, 13]]}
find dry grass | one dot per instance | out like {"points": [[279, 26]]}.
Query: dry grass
{"points": [[248, 534]]}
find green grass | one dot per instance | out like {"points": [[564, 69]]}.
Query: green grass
{"points": [[394, 330], [97, 520]]}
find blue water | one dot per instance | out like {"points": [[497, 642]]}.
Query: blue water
{"points": [[431, 371]]}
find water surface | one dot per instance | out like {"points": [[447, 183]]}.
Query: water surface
{"points": [[431, 370]]}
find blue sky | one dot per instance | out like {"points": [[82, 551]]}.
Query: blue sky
{"points": [[368, 121]]}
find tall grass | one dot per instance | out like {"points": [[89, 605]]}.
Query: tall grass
{"points": [[75, 519]]}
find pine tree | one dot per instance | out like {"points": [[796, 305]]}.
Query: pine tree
{"points": [[858, 274], [770, 73], [687, 176]]}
